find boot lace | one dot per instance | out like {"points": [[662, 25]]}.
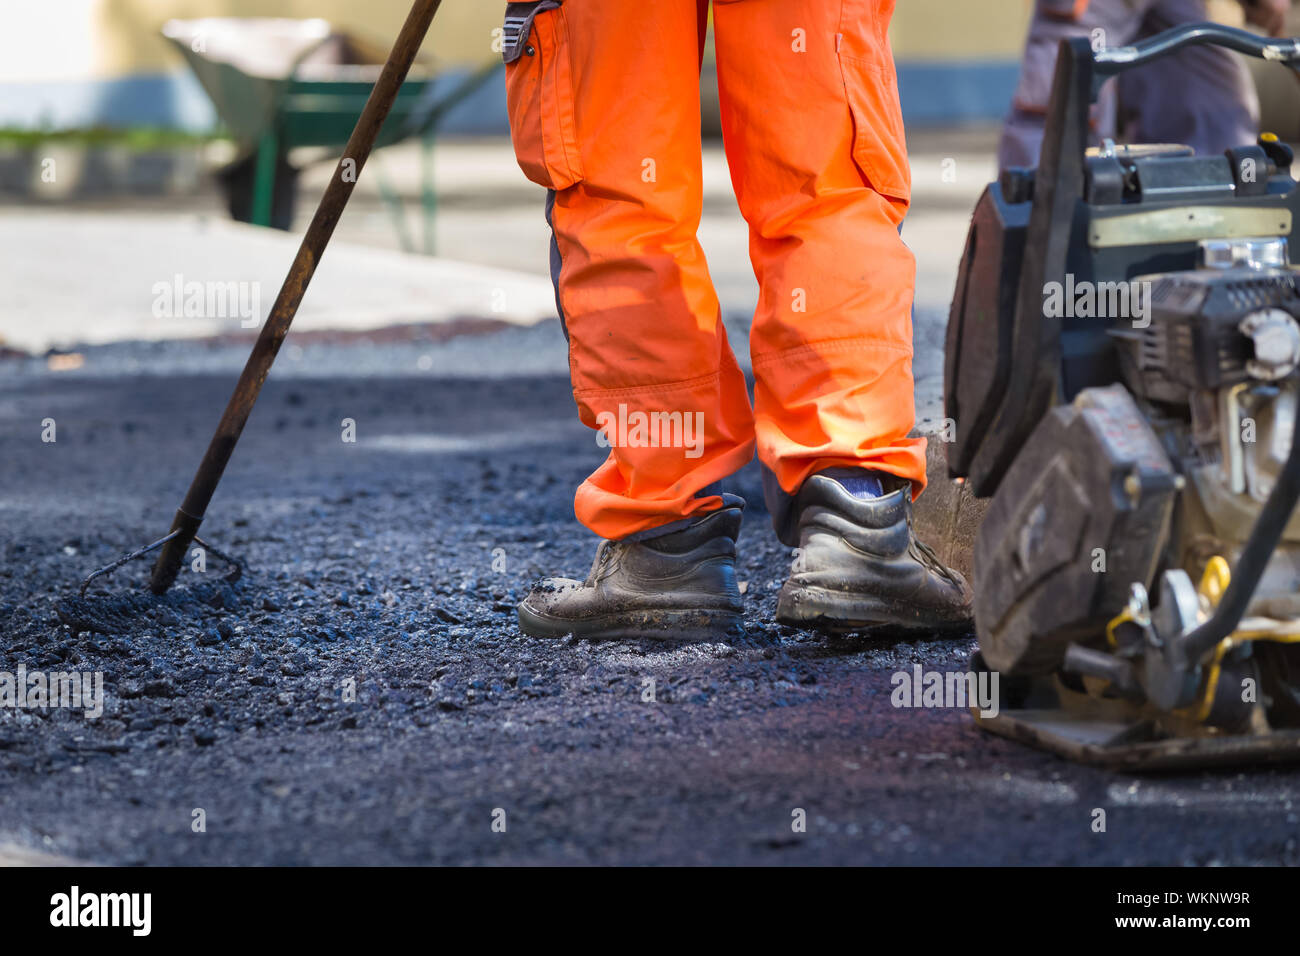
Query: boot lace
{"points": [[926, 556], [605, 553]]}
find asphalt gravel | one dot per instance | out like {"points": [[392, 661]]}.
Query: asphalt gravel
{"points": [[362, 695]]}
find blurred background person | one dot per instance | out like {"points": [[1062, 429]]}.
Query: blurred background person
{"points": [[1203, 97]]}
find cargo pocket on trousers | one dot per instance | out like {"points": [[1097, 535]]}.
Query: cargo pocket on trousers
{"points": [[879, 143], [540, 93]]}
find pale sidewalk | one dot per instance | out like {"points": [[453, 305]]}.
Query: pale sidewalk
{"points": [[95, 273], [75, 277]]}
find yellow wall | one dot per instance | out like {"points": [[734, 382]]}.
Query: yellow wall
{"points": [[48, 40], [97, 39], [982, 29], [960, 29], [44, 40]]}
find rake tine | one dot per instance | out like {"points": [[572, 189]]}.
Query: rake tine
{"points": [[236, 565], [110, 568]]}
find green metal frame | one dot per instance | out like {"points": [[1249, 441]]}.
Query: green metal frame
{"points": [[323, 113]]}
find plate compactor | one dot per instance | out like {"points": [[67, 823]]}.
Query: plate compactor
{"points": [[1123, 373]]}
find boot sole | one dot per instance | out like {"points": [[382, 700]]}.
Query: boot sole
{"points": [[822, 609], [696, 626]]}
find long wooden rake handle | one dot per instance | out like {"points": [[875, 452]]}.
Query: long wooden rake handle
{"points": [[192, 509]]}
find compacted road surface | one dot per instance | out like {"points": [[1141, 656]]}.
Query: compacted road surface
{"points": [[363, 694]]}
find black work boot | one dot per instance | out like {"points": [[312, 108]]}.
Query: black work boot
{"points": [[859, 565], [679, 586]]}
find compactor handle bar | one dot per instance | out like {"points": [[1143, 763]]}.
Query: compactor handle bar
{"points": [[1111, 61]]}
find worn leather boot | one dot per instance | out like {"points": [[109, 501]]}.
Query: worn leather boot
{"points": [[679, 586], [859, 565]]}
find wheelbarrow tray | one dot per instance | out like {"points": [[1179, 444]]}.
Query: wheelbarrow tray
{"points": [[259, 71]]}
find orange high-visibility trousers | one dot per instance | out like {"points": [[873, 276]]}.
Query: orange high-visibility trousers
{"points": [[604, 110]]}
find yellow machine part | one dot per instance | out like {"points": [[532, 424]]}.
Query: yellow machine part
{"points": [[1214, 582]]}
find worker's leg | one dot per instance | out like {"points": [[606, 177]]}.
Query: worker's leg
{"points": [[605, 111], [1202, 96], [604, 102], [814, 139], [1103, 22], [815, 143]]}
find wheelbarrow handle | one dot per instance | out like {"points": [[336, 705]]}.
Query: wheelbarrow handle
{"points": [[192, 509]]}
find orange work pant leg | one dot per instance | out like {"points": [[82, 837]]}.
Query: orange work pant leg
{"points": [[814, 139], [605, 113]]}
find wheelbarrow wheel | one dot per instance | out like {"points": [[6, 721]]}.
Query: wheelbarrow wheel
{"points": [[237, 179]]}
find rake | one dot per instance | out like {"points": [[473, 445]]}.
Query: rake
{"points": [[189, 516]]}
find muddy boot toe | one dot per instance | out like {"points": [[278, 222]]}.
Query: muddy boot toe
{"points": [[677, 586]]}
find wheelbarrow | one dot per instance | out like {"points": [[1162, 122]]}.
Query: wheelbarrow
{"points": [[278, 84]]}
